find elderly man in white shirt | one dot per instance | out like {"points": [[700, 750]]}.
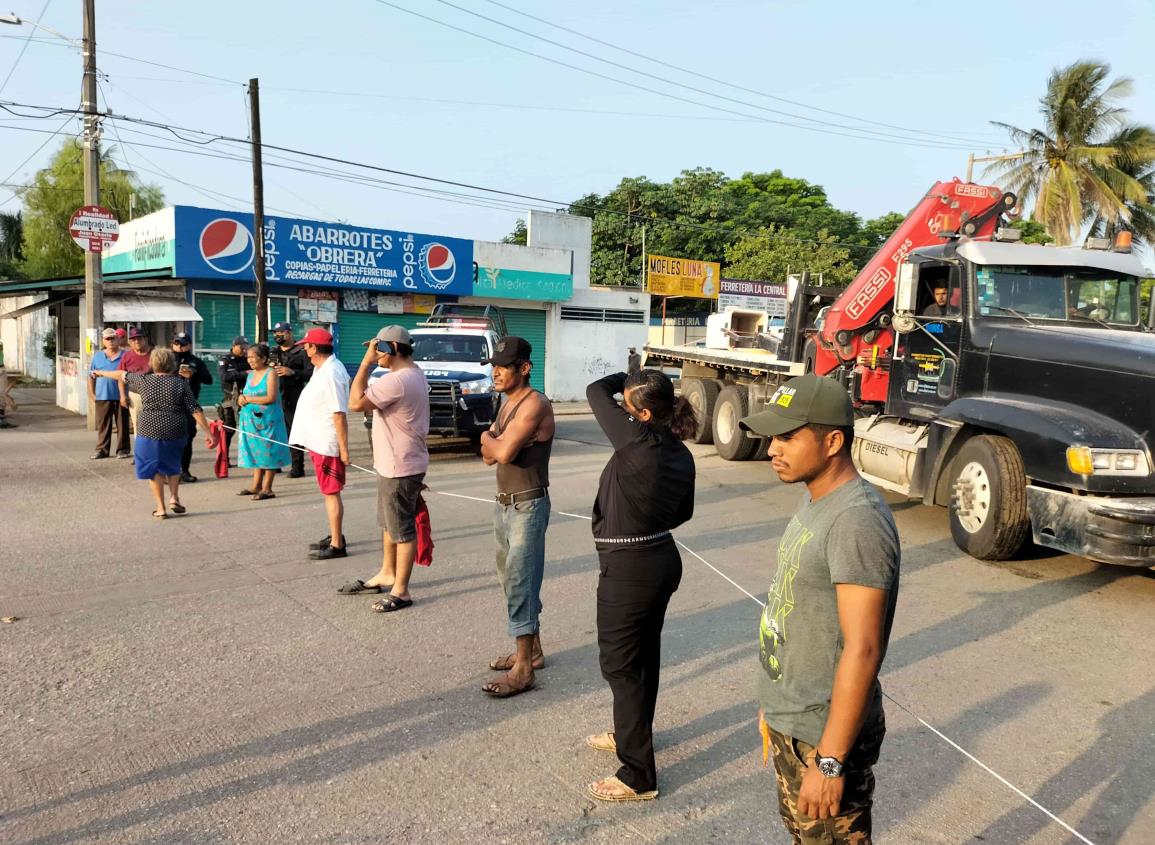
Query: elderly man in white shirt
{"points": [[321, 426]]}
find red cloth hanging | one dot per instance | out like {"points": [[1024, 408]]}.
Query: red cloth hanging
{"points": [[217, 431], [424, 534]]}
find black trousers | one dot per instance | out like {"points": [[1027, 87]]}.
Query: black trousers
{"points": [[186, 455], [633, 591], [109, 413], [296, 456]]}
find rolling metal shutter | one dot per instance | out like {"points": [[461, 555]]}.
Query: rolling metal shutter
{"points": [[530, 324]]}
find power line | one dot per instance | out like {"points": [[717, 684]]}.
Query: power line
{"points": [[24, 46], [926, 144], [34, 153], [714, 79]]}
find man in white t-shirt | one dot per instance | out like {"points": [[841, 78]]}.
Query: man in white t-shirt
{"points": [[321, 425], [400, 404]]}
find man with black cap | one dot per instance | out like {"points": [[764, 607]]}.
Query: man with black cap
{"points": [[293, 370], [234, 372], [827, 621], [519, 444], [190, 367], [399, 401]]}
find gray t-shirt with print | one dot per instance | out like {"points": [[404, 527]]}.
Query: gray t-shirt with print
{"points": [[846, 537]]}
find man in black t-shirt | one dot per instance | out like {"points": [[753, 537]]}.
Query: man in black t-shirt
{"points": [[191, 367], [294, 371]]}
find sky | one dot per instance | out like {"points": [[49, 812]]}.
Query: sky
{"points": [[362, 80]]}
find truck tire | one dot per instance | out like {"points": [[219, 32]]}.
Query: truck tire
{"points": [[809, 355], [988, 506], [702, 394], [731, 442]]}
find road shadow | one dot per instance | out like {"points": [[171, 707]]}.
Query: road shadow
{"points": [[1118, 765]]}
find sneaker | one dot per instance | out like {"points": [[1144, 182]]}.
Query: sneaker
{"points": [[324, 543], [328, 553], [99, 456], [123, 455], [296, 473], [187, 477]]}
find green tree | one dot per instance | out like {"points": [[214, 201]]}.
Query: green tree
{"points": [[519, 235], [1075, 168], [1033, 231], [11, 244], [773, 253], [56, 192], [876, 231]]}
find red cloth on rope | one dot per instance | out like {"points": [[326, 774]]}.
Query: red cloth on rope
{"points": [[424, 534], [221, 467]]}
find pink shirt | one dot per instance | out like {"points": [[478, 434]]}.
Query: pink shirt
{"points": [[400, 423]]}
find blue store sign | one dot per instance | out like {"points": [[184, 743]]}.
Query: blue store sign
{"points": [[214, 244]]}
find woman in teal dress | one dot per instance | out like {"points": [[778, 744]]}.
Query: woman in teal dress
{"points": [[260, 417]]}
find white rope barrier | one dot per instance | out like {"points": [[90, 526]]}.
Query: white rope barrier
{"points": [[757, 600]]}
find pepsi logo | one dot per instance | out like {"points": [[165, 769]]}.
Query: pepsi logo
{"points": [[437, 266], [227, 246]]}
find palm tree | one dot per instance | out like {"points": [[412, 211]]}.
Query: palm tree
{"points": [[1080, 167], [1134, 143]]}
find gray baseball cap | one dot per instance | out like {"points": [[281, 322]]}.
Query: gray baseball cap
{"points": [[801, 401], [395, 334]]}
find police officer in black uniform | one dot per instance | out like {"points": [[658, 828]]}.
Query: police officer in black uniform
{"points": [[191, 367], [234, 370], [294, 370]]}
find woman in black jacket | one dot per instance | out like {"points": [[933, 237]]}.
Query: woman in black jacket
{"points": [[646, 490]]}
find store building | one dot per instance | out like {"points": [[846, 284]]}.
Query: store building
{"points": [[192, 269]]}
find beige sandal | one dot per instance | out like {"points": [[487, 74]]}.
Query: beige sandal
{"points": [[612, 789], [602, 742]]}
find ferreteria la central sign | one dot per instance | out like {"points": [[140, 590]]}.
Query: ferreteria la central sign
{"points": [[205, 243]]}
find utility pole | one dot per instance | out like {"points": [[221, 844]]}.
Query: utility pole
{"points": [[93, 280], [971, 159], [258, 214]]}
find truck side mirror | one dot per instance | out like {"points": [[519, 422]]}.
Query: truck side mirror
{"points": [[906, 288]]}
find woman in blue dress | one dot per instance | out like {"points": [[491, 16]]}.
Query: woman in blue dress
{"points": [[261, 420]]}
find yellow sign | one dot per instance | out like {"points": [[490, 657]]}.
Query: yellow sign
{"points": [[667, 276]]}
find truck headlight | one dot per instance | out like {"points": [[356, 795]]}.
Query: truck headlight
{"points": [[472, 388], [1083, 460]]}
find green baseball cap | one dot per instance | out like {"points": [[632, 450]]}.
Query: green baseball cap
{"points": [[800, 401]]}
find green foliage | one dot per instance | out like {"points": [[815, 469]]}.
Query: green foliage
{"points": [[1088, 164], [49, 347], [56, 192], [774, 253], [1033, 231], [703, 214], [519, 235], [11, 244]]}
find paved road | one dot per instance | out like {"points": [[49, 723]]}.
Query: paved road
{"points": [[198, 680]]}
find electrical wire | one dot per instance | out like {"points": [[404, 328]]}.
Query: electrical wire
{"points": [[878, 137], [34, 153], [24, 46], [687, 71]]}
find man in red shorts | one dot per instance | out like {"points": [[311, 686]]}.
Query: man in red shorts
{"points": [[321, 426]]}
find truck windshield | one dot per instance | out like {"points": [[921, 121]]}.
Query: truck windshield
{"points": [[1077, 296], [449, 347]]}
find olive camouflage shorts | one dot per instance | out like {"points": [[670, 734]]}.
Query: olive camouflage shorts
{"points": [[852, 824]]}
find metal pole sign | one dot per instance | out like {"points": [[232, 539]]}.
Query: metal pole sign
{"points": [[93, 228]]}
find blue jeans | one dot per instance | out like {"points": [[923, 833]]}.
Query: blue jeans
{"points": [[520, 533]]}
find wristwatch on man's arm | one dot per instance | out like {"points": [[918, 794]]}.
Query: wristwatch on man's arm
{"points": [[831, 767]]}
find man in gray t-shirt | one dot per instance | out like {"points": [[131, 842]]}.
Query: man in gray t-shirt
{"points": [[827, 620]]}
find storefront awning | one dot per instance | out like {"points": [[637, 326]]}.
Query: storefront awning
{"points": [[132, 308]]}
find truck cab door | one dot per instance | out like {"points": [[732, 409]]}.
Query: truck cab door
{"points": [[925, 366]]}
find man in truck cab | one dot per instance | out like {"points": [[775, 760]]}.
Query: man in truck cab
{"points": [[941, 306], [827, 619]]}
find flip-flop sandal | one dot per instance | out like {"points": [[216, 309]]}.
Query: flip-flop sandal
{"points": [[602, 742], [360, 588], [504, 689], [621, 792], [260, 497], [159, 515], [177, 507], [247, 492], [390, 603], [505, 663]]}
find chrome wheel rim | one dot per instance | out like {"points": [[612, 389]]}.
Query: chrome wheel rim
{"points": [[972, 497]]}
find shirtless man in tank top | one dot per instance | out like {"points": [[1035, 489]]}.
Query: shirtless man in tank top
{"points": [[519, 444]]}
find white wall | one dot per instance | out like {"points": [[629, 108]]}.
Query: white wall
{"points": [[579, 352], [517, 257], [23, 338]]}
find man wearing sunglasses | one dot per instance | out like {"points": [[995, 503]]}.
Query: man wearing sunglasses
{"points": [[399, 401]]}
